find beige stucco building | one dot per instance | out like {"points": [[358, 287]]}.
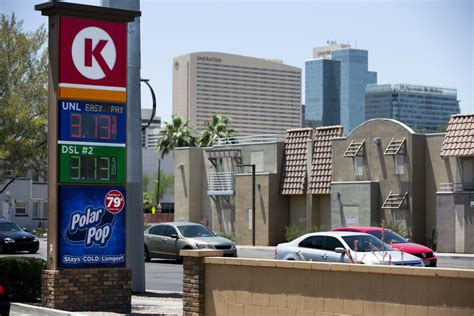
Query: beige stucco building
{"points": [[316, 179], [384, 171], [259, 96]]}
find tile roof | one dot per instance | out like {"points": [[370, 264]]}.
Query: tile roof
{"points": [[293, 179], [321, 166], [459, 138]]}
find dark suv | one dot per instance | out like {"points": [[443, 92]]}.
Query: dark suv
{"points": [[13, 238]]}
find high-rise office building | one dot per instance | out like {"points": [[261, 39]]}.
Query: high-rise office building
{"points": [[335, 84], [150, 133], [259, 96], [425, 109]]}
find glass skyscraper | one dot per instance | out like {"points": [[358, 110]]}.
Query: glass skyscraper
{"points": [[423, 108], [322, 92], [335, 86]]}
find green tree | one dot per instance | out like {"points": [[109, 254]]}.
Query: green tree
{"points": [[217, 127], [150, 188], [175, 134], [23, 101]]}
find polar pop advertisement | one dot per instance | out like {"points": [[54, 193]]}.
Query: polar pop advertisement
{"points": [[91, 226]]}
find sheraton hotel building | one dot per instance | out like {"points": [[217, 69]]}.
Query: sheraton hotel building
{"points": [[259, 96]]}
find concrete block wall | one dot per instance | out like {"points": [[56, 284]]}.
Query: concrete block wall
{"points": [[106, 290], [269, 287]]}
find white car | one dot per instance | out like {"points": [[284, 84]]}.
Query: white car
{"points": [[349, 247]]}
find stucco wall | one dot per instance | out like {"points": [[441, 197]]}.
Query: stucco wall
{"points": [[354, 201], [188, 182], [298, 210], [455, 218], [271, 287], [271, 210], [437, 171], [417, 184]]}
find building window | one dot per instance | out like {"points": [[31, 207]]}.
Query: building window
{"points": [[399, 164], [45, 209], [359, 165], [39, 209], [20, 208]]}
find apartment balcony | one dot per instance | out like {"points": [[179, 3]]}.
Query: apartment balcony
{"points": [[220, 183]]}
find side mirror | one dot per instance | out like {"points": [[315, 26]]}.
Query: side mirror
{"points": [[408, 239], [175, 236], [340, 250], [26, 230]]}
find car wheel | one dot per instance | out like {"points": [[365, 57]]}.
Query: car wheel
{"points": [[146, 255]]}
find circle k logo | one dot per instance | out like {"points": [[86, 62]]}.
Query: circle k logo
{"points": [[93, 53]]}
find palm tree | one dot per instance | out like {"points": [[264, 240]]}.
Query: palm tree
{"points": [[217, 128], [175, 134]]}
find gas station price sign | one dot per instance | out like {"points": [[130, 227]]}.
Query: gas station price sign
{"points": [[92, 121], [91, 164]]}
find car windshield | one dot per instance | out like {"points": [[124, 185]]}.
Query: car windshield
{"points": [[388, 236], [365, 243], [9, 227], [194, 231]]}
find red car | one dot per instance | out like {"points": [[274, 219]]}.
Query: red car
{"points": [[397, 242]]}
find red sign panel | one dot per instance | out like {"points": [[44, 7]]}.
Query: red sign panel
{"points": [[92, 53]]}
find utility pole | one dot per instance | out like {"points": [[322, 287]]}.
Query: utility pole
{"points": [[158, 185], [134, 207]]}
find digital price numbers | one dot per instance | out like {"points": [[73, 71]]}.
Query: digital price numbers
{"points": [[91, 164], [92, 122]]}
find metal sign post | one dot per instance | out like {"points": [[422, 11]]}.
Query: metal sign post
{"points": [[87, 158]]}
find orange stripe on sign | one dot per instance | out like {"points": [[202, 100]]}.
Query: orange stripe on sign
{"points": [[92, 95]]}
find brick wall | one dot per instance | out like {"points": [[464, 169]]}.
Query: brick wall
{"points": [[106, 289], [234, 286], [194, 278], [149, 218]]}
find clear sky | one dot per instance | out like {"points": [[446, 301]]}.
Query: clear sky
{"points": [[416, 42]]}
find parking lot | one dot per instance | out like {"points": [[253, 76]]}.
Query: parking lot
{"points": [[167, 275]]}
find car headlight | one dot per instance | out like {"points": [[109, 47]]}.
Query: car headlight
{"points": [[8, 240], [204, 246]]}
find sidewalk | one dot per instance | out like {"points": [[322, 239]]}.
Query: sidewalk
{"points": [[148, 303]]}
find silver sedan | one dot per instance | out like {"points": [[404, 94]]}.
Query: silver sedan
{"points": [[349, 247], [167, 239]]}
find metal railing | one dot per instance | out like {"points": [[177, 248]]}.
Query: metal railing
{"points": [[455, 187], [220, 183], [248, 140]]}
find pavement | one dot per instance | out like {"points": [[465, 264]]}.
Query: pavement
{"points": [[148, 303]]}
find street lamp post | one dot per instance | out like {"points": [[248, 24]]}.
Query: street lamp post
{"points": [[253, 200]]}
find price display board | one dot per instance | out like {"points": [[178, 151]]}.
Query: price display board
{"points": [[92, 121], [91, 164]]}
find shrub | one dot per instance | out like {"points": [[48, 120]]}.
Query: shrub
{"points": [[40, 232], [23, 275], [292, 231]]}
